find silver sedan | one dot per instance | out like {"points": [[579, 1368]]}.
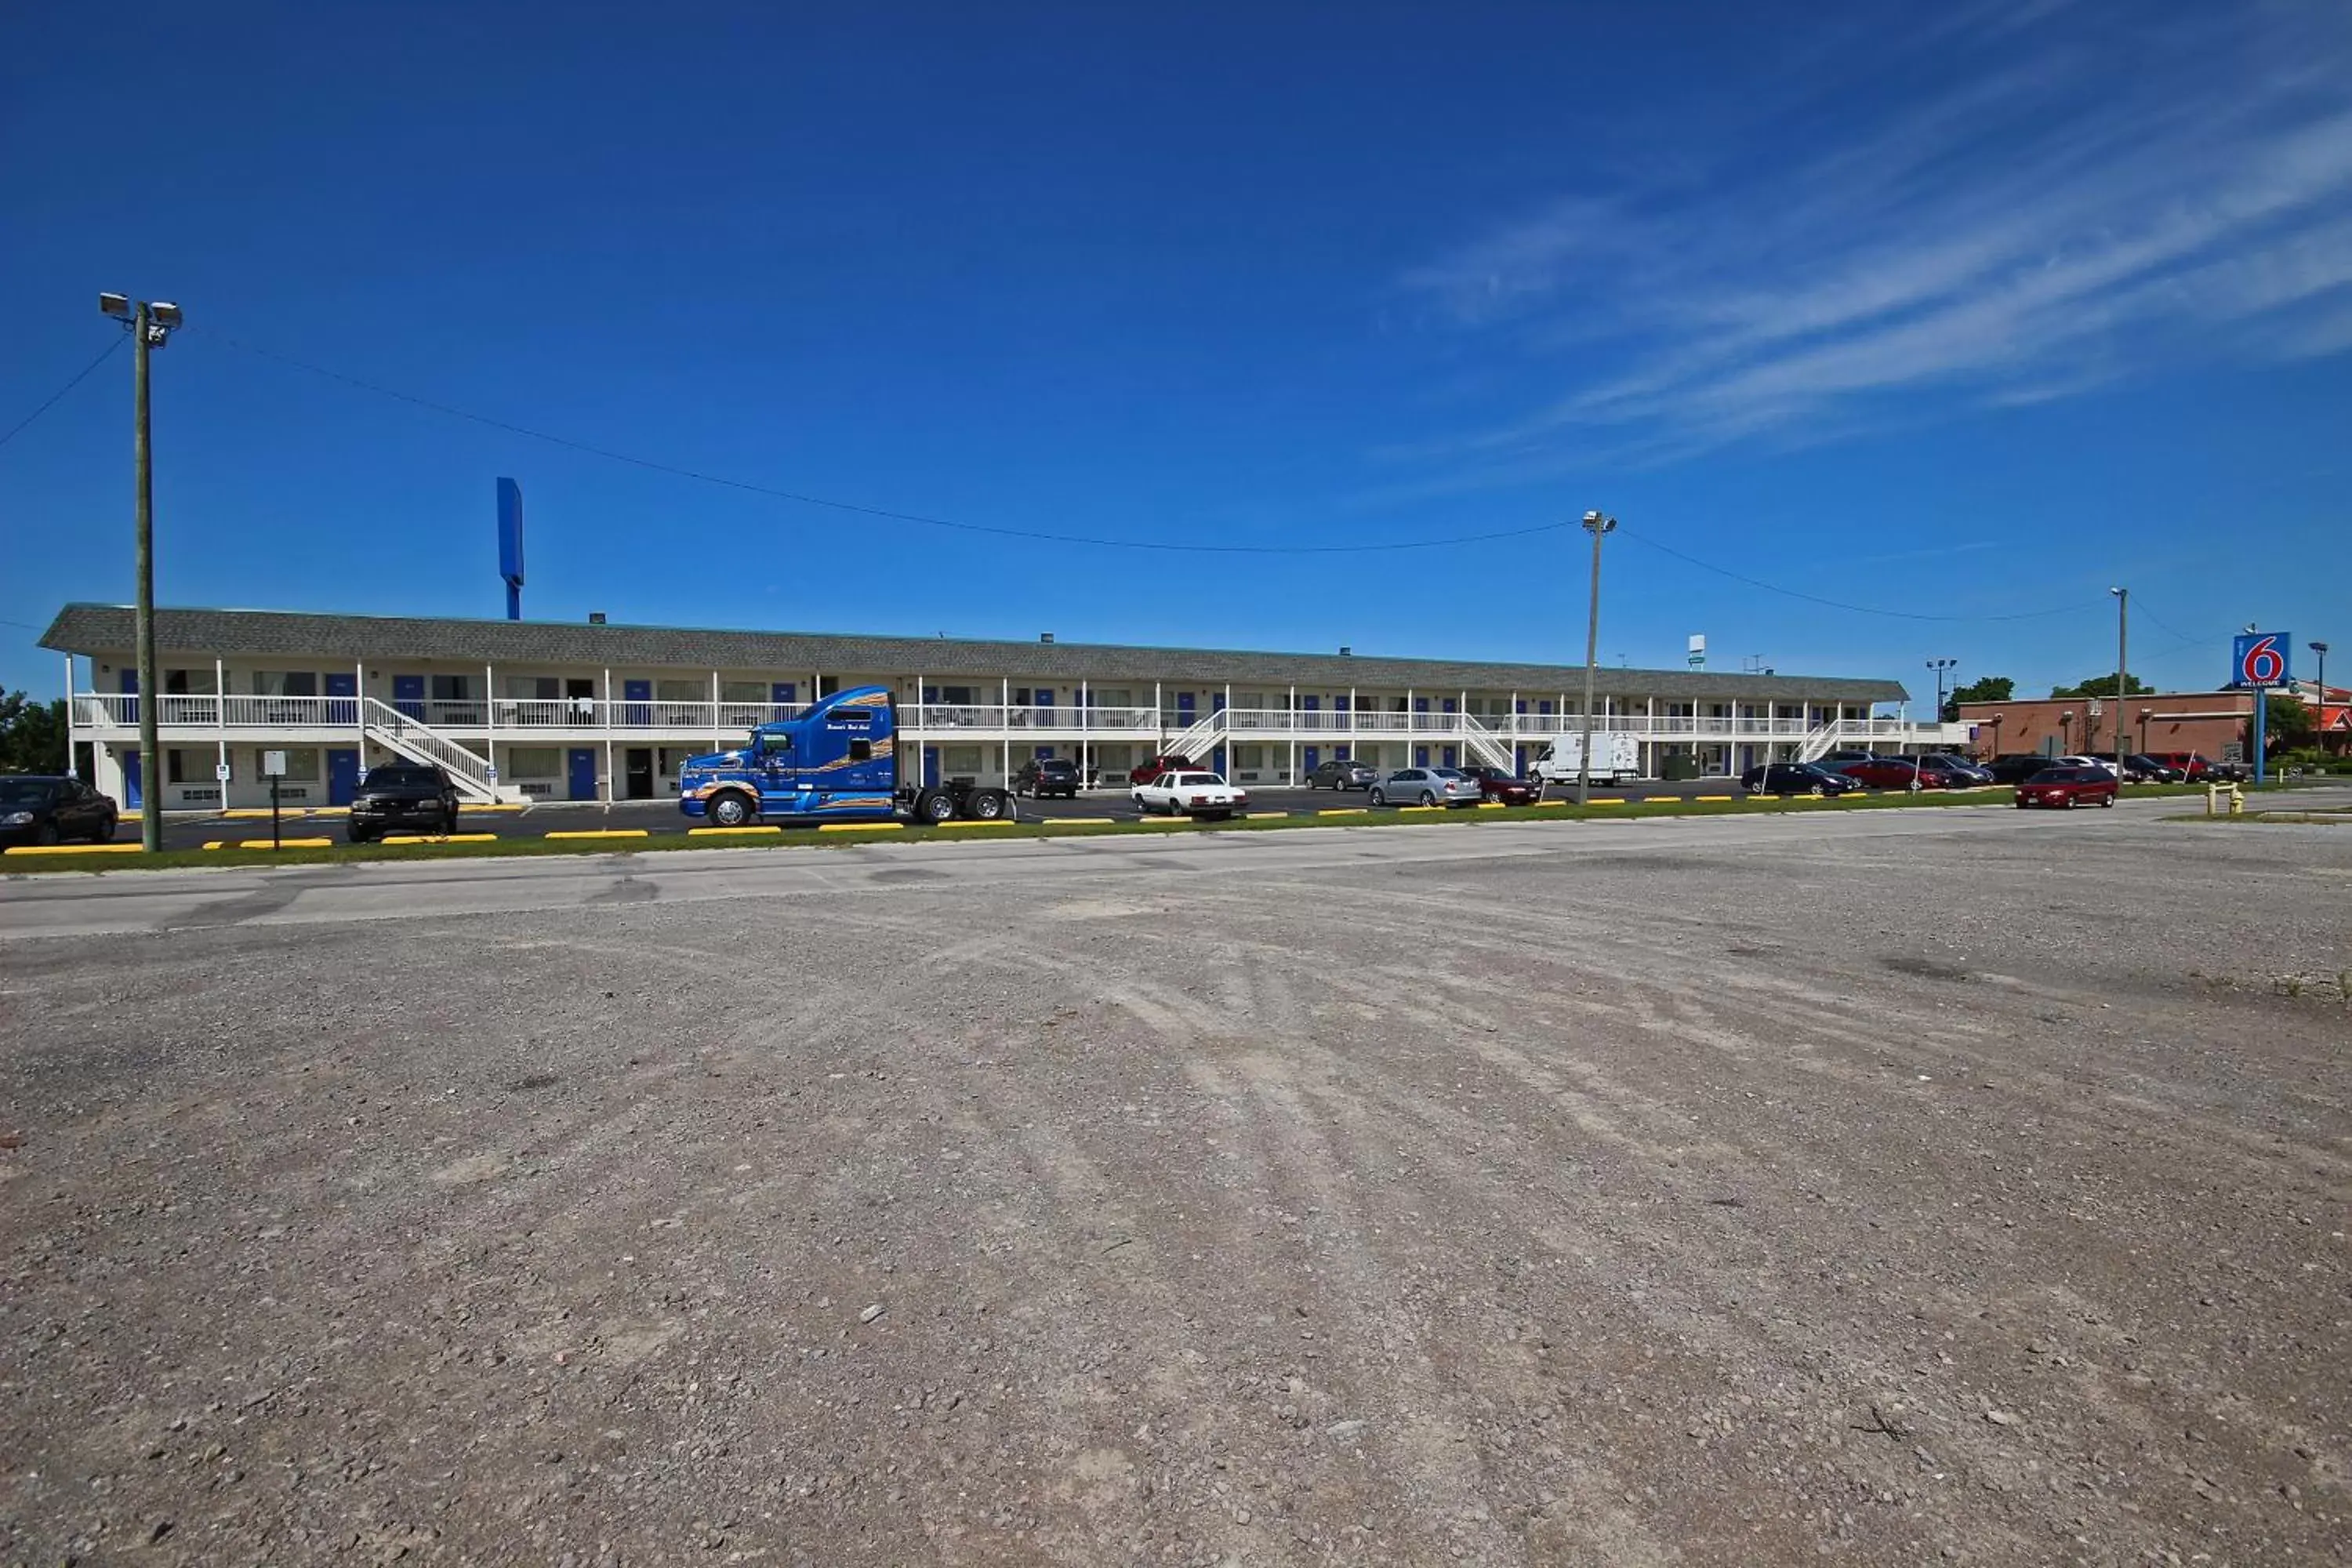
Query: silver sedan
{"points": [[1426, 786]]}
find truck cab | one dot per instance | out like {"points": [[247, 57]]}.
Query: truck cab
{"points": [[836, 762]]}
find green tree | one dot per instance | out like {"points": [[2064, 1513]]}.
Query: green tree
{"points": [[32, 734], [1991, 689], [2286, 723], [2105, 686]]}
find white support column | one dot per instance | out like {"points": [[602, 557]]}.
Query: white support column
{"points": [[612, 782], [220, 728], [1290, 723], [490, 724], [359, 713], [1158, 720], [1083, 727], [718, 743], [71, 706]]}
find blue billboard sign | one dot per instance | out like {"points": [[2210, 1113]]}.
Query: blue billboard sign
{"points": [[510, 544], [2261, 658]]}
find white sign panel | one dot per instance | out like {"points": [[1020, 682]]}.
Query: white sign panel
{"points": [[273, 764], [220, 772]]}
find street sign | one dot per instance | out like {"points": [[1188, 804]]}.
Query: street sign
{"points": [[2095, 708], [2261, 658], [273, 764], [220, 772]]}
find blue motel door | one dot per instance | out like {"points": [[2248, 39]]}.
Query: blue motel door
{"points": [[342, 774], [580, 773]]}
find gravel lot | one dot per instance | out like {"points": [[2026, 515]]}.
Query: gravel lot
{"points": [[1898, 1188]]}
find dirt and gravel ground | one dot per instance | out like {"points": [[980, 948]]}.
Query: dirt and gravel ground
{"points": [[1959, 1186]]}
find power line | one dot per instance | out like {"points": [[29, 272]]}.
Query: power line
{"points": [[1841, 604], [80, 376], [803, 499]]}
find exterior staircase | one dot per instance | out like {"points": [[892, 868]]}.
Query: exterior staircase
{"points": [[1487, 746], [1203, 738], [420, 742]]}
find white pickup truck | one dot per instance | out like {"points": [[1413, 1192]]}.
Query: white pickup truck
{"points": [[1199, 794]]}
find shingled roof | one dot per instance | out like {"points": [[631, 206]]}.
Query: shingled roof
{"points": [[109, 629]]}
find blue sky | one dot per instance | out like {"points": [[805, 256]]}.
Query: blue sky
{"points": [[1967, 317]]}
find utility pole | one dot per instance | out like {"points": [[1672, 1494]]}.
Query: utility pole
{"points": [[1596, 525], [2321, 649], [149, 325], [2123, 629]]}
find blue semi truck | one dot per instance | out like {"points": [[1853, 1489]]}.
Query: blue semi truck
{"points": [[837, 762]]}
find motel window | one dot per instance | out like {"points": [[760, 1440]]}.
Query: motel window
{"points": [[301, 765], [534, 687], [534, 761], [960, 761], [826, 685], [743, 691], [284, 683], [451, 688], [188, 682], [681, 691], [175, 766]]}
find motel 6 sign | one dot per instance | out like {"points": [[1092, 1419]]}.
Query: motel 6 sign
{"points": [[2260, 658]]}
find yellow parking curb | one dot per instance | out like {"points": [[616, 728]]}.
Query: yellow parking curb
{"points": [[1612, 800], [286, 844], [1421, 808], [75, 849], [1076, 821], [1265, 816], [216, 843], [440, 838], [1346, 811], [1555, 802], [601, 833], [1715, 797], [859, 826], [1490, 805], [721, 832], [1165, 821], [995, 822]]}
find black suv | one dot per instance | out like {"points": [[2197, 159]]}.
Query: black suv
{"points": [[1041, 777], [2016, 767], [403, 795], [1343, 772], [41, 808]]}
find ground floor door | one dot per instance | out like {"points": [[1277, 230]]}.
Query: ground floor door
{"points": [[342, 773], [580, 773], [134, 795], [641, 773], [1310, 758], [931, 766]]}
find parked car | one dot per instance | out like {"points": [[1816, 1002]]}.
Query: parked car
{"points": [[1179, 793], [1970, 773], [1041, 776], [2142, 769], [1427, 786], [2105, 764], [414, 795], [1166, 763], [1798, 778], [2016, 767], [1343, 772], [2195, 767], [43, 808], [2068, 787], [1897, 772], [1494, 784]]}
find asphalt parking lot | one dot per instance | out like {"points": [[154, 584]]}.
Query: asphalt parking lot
{"points": [[1878, 1187], [195, 831]]}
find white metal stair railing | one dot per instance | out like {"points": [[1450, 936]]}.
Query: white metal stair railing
{"points": [[1198, 741], [1819, 742], [419, 742], [1487, 746]]}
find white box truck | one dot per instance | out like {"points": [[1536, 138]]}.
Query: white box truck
{"points": [[1616, 759]]}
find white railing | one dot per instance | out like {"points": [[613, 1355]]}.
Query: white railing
{"points": [[412, 738], [477, 719]]}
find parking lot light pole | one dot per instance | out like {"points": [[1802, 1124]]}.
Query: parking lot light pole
{"points": [[1596, 525], [2123, 627], [149, 325], [1939, 666], [2320, 649]]}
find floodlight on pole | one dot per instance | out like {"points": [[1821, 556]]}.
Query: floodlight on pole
{"points": [[1596, 525], [149, 325], [2123, 629]]}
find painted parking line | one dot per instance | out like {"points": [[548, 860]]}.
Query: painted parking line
{"points": [[440, 838], [600, 833], [859, 826], [76, 848], [284, 844], [726, 831]]}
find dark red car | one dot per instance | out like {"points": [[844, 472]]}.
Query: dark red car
{"points": [[1167, 762], [1900, 773], [2067, 788], [1494, 784]]}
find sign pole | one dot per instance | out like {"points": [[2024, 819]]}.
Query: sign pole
{"points": [[273, 813], [2262, 712]]}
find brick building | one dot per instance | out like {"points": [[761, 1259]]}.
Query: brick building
{"points": [[2213, 722]]}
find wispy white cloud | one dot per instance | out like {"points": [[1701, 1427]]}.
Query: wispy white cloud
{"points": [[2071, 203]]}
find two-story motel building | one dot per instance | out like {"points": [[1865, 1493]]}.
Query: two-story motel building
{"points": [[569, 712]]}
